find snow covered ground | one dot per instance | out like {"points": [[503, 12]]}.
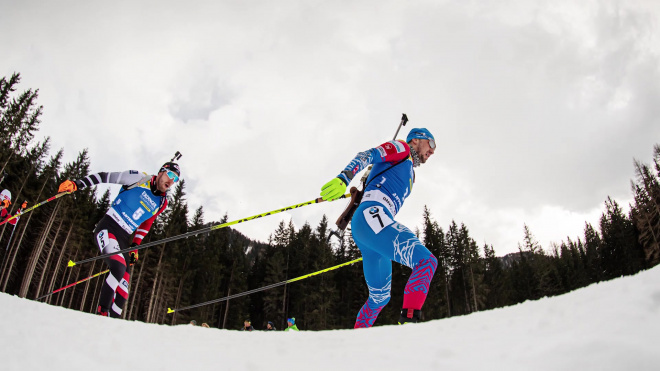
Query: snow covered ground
{"points": [[608, 326]]}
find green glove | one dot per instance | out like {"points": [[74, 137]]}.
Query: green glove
{"points": [[333, 189]]}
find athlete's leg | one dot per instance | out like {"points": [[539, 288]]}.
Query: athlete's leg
{"points": [[409, 251], [378, 274], [392, 240], [107, 243], [121, 294]]}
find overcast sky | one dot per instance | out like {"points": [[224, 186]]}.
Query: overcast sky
{"points": [[538, 107]]}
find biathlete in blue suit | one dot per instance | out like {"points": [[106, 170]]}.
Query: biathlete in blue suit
{"points": [[378, 236], [142, 198]]}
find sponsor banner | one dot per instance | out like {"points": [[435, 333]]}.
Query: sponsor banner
{"points": [[148, 200], [117, 218], [381, 198]]}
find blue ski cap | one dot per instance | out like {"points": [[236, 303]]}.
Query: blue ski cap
{"points": [[421, 133], [292, 320]]}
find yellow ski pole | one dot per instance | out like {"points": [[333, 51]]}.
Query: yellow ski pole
{"points": [[170, 310], [203, 230]]}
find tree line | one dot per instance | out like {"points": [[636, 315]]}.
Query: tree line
{"points": [[224, 262]]}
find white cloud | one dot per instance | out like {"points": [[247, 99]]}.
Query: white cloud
{"points": [[538, 107]]}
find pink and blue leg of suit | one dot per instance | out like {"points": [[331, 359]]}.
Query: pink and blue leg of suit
{"points": [[381, 241]]}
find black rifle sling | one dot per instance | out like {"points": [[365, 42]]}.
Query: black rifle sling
{"points": [[356, 198]]}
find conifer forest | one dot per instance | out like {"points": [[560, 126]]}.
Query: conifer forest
{"points": [[224, 262]]}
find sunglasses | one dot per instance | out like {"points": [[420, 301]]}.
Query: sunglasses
{"points": [[172, 175], [432, 143]]}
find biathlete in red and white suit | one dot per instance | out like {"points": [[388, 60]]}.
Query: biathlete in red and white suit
{"points": [[142, 198], [380, 238], [5, 202]]}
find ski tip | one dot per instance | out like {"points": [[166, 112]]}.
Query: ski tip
{"points": [[170, 310], [71, 263]]}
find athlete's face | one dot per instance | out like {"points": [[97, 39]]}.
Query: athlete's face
{"points": [[424, 149], [163, 182]]}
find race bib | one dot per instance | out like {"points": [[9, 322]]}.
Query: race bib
{"points": [[377, 218], [138, 214]]}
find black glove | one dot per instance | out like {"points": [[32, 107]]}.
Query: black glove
{"points": [[133, 255]]}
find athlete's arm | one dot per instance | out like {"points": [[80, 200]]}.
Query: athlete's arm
{"points": [[127, 177], [391, 151], [144, 228]]}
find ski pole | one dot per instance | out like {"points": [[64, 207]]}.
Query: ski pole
{"points": [[35, 206], [203, 230], [170, 310], [73, 284], [10, 237]]}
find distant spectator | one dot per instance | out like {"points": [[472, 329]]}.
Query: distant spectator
{"points": [[205, 325], [193, 322], [247, 326], [5, 202], [5, 199], [291, 322], [270, 326]]}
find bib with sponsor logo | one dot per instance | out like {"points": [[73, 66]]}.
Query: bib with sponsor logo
{"points": [[377, 218], [136, 205]]}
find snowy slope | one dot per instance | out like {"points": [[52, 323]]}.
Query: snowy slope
{"points": [[609, 326]]}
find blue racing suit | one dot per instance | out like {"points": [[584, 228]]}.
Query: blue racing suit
{"points": [[379, 237]]}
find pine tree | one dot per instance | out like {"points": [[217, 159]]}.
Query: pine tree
{"points": [[592, 251], [621, 253], [495, 277], [437, 303], [646, 211]]}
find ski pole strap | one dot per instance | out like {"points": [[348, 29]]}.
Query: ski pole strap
{"points": [[35, 206], [203, 230], [73, 284], [170, 310]]}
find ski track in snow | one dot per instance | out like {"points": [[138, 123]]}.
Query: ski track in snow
{"points": [[612, 325]]}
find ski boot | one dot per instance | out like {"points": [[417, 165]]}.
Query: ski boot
{"points": [[102, 312], [410, 316]]}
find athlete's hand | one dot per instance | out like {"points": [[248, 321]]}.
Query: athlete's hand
{"points": [[133, 255], [333, 189], [24, 205], [67, 186]]}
